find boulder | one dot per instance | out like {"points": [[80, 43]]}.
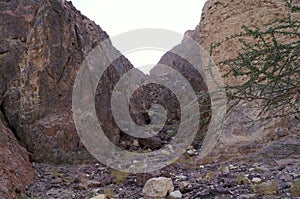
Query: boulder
{"points": [[157, 188], [16, 171]]}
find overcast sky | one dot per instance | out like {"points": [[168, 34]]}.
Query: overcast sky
{"points": [[119, 16]]}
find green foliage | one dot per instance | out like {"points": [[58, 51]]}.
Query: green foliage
{"points": [[268, 64]]}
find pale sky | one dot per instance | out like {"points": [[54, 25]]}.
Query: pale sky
{"points": [[119, 16]]}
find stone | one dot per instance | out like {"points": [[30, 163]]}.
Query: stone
{"points": [[183, 186], [101, 196], [269, 188], [136, 143], [261, 169], [256, 180], [295, 188], [192, 152], [242, 179], [246, 196], [16, 171], [224, 169], [175, 195], [157, 188], [181, 177]]}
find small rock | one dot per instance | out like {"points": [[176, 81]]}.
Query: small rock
{"points": [[261, 169], [181, 177], [286, 178], [158, 188], [224, 169], [256, 180], [246, 196], [191, 151], [101, 196], [295, 188], [183, 186], [242, 179], [255, 165], [136, 143], [266, 188], [175, 195]]}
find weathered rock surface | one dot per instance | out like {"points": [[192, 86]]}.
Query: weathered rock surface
{"points": [[43, 44], [243, 139], [16, 172], [175, 195], [157, 188], [193, 74], [42, 47]]}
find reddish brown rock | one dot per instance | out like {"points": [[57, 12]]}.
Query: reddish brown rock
{"points": [[15, 169], [43, 44]]}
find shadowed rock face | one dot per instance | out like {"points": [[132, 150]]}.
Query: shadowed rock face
{"points": [[43, 44], [15, 169]]}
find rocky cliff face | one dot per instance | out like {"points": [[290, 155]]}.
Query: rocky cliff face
{"points": [[15, 169], [243, 139], [43, 44], [42, 47]]}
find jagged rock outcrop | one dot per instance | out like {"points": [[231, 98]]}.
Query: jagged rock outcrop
{"points": [[42, 47], [43, 44], [15, 169], [241, 138]]}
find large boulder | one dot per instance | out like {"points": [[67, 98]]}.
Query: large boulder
{"points": [[16, 170]]}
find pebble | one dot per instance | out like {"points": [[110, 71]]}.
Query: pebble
{"points": [[246, 196], [224, 169], [136, 143], [181, 177], [183, 185], [175, 195], [256, 180], [192, 152], [101, 196]]}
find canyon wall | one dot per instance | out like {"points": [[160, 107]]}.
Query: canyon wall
{"points": [[273, 140]]}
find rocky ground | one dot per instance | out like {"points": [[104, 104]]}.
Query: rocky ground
{"points": [[236, 180]]}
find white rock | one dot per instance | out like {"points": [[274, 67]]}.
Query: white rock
{"points": [[175, 195], [256, 180], [246, 196], [181, 177], [136, 143], [191, 152], [101, 196], [158, 188]]}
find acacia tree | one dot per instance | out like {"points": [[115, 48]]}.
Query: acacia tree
{"points": [[269, 63]]}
